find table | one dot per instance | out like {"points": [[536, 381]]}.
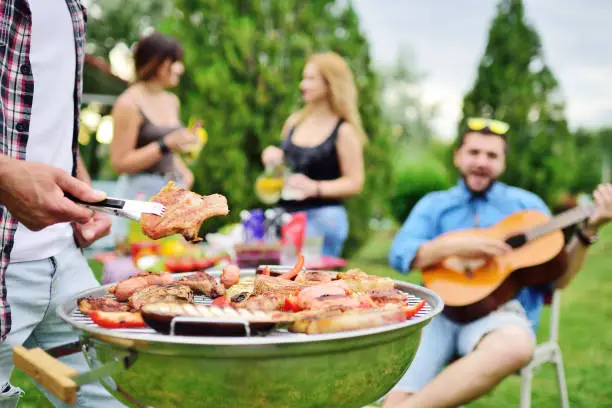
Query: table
{"points": [[116, 268]]}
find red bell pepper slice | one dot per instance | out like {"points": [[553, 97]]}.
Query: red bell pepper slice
{"points": [[291, 305], [295, 270], [117, 320], [171, 265], [266, 271], [221, 301], [411, 311]]}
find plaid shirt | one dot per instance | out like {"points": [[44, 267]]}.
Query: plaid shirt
{"points": [[16, 95]]}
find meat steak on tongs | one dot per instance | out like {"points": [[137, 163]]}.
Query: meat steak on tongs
{"points": [[185, 213]]}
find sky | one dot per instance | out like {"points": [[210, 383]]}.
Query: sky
{"points": [[447, 39]]}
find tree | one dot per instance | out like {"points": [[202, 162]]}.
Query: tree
{"points": [[590, 157], [111, 22], [409, 117], [243, 63], [515, 85]]}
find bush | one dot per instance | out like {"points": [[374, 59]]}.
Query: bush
{"points": [[414, 180]]}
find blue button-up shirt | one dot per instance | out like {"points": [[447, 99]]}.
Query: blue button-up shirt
{"points": [[455, 209]]}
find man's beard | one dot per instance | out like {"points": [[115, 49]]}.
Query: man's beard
{"points": [[482, 192]]}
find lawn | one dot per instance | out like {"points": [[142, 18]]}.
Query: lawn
{"points": [[587, 350]]}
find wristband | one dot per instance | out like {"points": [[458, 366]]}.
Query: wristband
{"points": [[163, 147], [584, 238]]}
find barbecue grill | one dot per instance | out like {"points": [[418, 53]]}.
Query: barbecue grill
{"points": [[278, 369]]}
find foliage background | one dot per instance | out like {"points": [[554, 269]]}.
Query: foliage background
{"points": [[243, 65], [244, 61]]}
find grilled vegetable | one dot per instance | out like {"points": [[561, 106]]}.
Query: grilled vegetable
{"points": [[221, 301], [117, 320], [295, 270], [213, 320]]}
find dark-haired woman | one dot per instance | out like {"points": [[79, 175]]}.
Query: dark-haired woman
{"points": [[147, 130]]}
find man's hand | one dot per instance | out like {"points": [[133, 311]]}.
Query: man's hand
{"points": [[603, 211], [34, 194], [98, 226], [475, 247]]}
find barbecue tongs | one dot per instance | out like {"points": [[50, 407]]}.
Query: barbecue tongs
{"points": [[130, 209]]}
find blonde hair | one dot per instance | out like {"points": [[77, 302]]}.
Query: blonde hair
{"points": [[342, 94]]}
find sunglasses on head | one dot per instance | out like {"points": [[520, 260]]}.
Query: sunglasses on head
{"points": [[496, 126]]}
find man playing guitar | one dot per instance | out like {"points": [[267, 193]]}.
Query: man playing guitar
{"points": [[496, 345]]}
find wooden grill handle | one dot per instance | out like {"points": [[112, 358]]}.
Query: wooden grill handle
{"points": [[49, 372]]}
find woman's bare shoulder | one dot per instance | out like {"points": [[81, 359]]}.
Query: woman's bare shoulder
{"points": [[126, 101]]}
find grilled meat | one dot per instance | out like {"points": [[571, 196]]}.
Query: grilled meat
{"points": [[355, 319], [268, 302], [104, 304], [161, 293], [125, 288], [387, 297], [314, 276], [203, 283], [230, 275], [269, 284], [331, 302], [360, 282], [185, 213], [312, 295]]}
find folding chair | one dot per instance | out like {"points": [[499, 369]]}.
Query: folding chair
{"points": [[547, 352]]}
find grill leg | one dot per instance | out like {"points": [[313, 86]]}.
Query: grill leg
{"points": [[560, 370], [526, 379]]}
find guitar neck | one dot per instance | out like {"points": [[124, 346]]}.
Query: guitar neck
{"points": [[563, 220]]}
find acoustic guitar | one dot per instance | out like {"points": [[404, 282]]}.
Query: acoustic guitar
{"points": [[472, 288]]}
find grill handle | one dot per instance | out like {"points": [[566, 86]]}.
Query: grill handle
{"points": [[52, 374]]}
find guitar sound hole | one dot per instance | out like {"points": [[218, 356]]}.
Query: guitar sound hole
{"points": [[517, 240]]}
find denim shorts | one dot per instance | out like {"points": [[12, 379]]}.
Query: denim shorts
{"points": [[443, 339], [331, 223], [34, 291]]}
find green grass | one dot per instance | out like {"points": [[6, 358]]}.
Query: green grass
{"points": [[585, 335]]}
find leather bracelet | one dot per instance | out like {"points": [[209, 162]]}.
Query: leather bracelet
{"points": [[584, 239], [163, 147]]}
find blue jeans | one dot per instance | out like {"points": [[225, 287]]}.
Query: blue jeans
{"points": [[443, 339], [330, 222], [34, 290]]}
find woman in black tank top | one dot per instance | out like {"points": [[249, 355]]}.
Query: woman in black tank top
{"points": [[148, 133], [322, 144]]}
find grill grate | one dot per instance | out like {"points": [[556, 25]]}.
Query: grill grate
{"points": [[80, 318]]}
